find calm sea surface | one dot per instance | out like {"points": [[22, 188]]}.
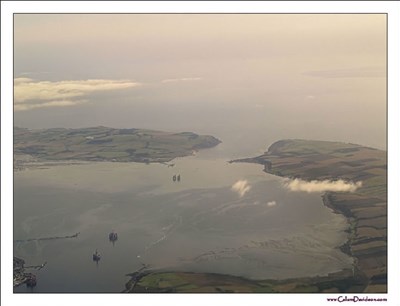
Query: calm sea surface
{"points": [[198, 224]]}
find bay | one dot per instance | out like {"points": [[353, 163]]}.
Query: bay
{"points": [[199, 224]]}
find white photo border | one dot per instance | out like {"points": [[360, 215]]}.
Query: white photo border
{"points": [[8, 8]]}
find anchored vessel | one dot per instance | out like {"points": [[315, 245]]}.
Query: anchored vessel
{"points": [[113, 236], [96, 256], [176, 178]]}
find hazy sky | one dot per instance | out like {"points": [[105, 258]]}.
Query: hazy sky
{"points": [[308, 76]]}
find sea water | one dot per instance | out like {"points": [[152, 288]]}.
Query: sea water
{"points": [[199, 224]]}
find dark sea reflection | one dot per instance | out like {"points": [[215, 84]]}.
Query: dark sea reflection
{"points": [[198, 224]]}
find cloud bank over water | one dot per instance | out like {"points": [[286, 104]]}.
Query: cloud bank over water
{"points": [[188, 79], [31, 94], [269, 203], [321, 186], [241, 187]]}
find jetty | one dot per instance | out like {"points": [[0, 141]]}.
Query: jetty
{"points": [[20, 276], [48, 238], [135, 277]]}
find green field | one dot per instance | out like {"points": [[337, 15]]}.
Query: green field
{"points": [[108, 144], [366, 208], [185, 282]]}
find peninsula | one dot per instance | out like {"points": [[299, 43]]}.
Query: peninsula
{"points": [[365, 208], [107, 144]]}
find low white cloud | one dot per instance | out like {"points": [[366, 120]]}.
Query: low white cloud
{"points": [[269, 204], [34, 73], [181, 80], [57, 103], [31, 94], [21, 80], [321, 186], [360, 72], [262, 203], [241, 187]]}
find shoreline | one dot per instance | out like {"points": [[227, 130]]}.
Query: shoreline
{"points": [[97, 144], [365, 209]]}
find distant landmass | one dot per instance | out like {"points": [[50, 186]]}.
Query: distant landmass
{"points": [[108, 144], [365, 210]]}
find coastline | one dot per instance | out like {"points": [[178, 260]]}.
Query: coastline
{"points": [[365, 209], [353, 206], [97, 144]]}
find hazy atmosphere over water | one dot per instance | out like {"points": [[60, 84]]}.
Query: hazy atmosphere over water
{"points": [[307, 216], [250, 79]]}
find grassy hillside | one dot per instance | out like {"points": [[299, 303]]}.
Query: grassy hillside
{"points": [[366, 208], [184, 282], [108, 144]]}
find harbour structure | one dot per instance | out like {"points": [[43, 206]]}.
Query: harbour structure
{"points": [[31, 281], [20, 276]]}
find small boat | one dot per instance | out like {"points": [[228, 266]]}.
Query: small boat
{"points": [[113, 236], [96, 256]]}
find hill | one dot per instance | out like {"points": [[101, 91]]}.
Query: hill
{"points": [[108, 144]]}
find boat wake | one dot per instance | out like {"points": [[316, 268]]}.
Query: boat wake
{"points": [[167, 231]]}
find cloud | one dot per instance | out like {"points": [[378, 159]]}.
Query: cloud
{"points": [[181, 80], [30, 94], [34, 73], [270, 203], [321, 186], [57, 103], [18, 81], [241, 187], [361, 72]]}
